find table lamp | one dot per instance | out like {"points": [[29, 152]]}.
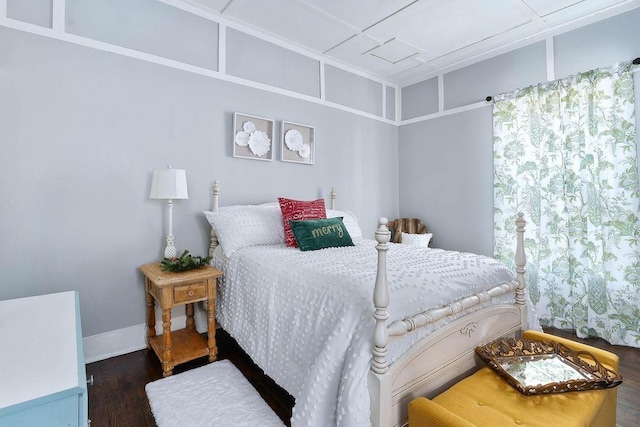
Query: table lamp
{"points": [[169, 184]]}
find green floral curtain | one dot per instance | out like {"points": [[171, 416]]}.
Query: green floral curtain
{"points": [[565, 155]]}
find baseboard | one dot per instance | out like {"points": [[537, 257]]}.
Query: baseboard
{"points": [[132, 338]]}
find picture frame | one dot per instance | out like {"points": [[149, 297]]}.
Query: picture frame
{"points": [[298, 143], [252, 137]]}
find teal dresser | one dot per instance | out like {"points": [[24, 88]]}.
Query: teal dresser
{"points": [[42, 372]]}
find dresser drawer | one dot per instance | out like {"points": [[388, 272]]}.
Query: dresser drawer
{"points": [[188, 293], [61, 412]]}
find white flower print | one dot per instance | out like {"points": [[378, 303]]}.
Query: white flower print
{"points": [[249, 127], [293, 139], [259, 143], [304, 151], [242, 138]]}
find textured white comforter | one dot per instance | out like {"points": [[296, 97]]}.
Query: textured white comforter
{"points": [[306, 317]]}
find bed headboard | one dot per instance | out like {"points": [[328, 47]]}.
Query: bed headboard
{"points": [[215, 192]]}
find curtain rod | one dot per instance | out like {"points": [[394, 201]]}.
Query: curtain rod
{"points": [[634, 62]]}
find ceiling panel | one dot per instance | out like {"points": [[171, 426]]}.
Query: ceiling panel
{"points": [[412, 73], [393, 51], [360, 13], [215, 5], [386, 69], [439, 27], [292, 20], [353, 48], [578, 10], [352, 52], [545, 7], [485, 46]]}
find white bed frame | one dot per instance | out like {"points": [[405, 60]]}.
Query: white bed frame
{"points": [[442, 357]]}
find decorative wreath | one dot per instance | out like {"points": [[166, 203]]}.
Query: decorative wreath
{"points": [[185, 262]]}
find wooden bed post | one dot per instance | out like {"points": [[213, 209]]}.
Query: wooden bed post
{"points": [[521, 260], [381, 301], [379, 380], [215, 190], [332, 203]]}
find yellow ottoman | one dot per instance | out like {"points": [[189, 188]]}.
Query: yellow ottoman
{"points": [[485, 399]]}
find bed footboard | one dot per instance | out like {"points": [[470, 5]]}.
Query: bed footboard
{"points": [[437, 361], [444, 356]]}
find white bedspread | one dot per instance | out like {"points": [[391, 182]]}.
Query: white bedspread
{"points": [[306, 317]]}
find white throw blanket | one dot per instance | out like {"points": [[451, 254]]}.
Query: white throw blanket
{"points": [[306, 318]]}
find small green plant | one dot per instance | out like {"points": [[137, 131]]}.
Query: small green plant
{"points": [[184, 262]]}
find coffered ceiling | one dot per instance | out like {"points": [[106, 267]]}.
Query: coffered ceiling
{"points": [[404, 40]]}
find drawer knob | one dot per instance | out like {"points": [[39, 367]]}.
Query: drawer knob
{"points": [[190, 292]]}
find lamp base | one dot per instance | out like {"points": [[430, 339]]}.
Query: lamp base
{"points": [[170, 251]]}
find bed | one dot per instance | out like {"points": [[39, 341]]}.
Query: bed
{"points": [[307, 318]]}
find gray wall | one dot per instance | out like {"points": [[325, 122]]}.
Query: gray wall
{"points": [[598, 45], [292, 71], [151, 27], [446, 163], [36, 12], [518, 68], [81, 132], [444, 181], [349, 89], [420, 99]]}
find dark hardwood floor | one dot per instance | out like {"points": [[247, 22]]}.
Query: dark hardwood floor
{"points": [[118, 398]]}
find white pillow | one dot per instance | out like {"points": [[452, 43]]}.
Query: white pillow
{"points": [[249, 225], [417, 239], [350, 222]]}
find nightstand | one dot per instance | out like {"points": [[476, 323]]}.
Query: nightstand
{"points": [[172, 289]]}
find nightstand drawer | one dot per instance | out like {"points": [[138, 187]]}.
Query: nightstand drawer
{"points": [[192, 292]]}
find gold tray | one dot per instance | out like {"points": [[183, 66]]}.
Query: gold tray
{"points": [[543, 367]]}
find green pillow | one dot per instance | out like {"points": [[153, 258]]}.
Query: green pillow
{"points": [[313, 234]]}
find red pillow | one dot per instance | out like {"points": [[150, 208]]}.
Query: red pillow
{"points": [[299, 210]]}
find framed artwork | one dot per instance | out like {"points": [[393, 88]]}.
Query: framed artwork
{"points": [[298, 143], [252, 137]]}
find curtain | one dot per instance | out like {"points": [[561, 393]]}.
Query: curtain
{"points": [[565, 155]]}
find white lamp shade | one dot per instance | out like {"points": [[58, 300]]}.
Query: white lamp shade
{"points": [[169, 184]]}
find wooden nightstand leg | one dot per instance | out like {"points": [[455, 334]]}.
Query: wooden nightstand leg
{"points": [[167, 362], [211, 329], [151, 314], [191, 324]]}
